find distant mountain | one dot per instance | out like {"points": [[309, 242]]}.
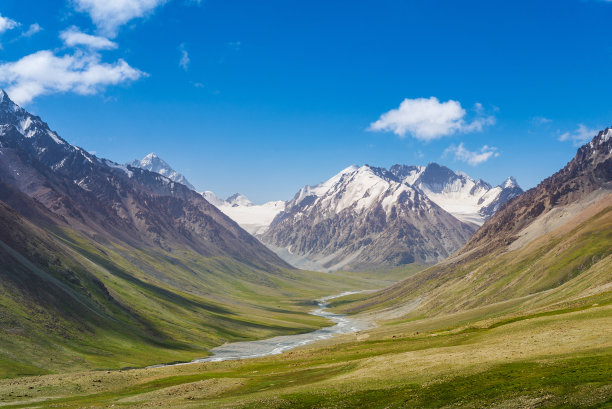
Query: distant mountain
{"points": [[253, 218], [154, 163], [364, 217], [551, 246], [238, 199], [213, 198], [469, 200]]}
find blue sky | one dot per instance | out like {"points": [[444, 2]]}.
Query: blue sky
{"points": [[262, 97]]}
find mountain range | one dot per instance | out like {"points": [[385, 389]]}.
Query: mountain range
{"points": [[469, 200], [366, 216], [548, 248]]}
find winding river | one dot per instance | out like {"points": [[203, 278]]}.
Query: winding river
{"points": [[283, 343]]}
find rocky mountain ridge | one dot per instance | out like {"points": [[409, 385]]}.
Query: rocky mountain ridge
{"points": [[100, 197], [469, 200], [364, 217], [588, 171]]}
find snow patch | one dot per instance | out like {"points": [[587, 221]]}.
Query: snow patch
{"points": [[56, 139], [255, 219], [115, 165], [606, 136]]}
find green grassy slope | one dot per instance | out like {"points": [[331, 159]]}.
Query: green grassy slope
{"points": [[67, 302], [569, 263], [560, 359]]}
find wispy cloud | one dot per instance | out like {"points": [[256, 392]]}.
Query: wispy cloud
{"points": [[581, 135], [74, 37], [540, 120], [7, 24], [185, 60], [44, 72], [109, 15], [472, 158], [33, 29], [428, 118]]}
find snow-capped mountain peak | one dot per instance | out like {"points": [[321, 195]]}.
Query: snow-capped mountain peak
{"points": [[28, 125], [357, 189], [310, 193], [213, 198], [154, 163], [510, 183], [238, 199], [469, 200], [7, 104], [350, 219]]}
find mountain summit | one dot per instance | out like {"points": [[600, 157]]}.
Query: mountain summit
{"points": [[469, 200], [154, 163]]}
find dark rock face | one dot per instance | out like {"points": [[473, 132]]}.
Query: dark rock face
{"points": [[100, 197], [437, 177], [591, 169], [403, 171]]}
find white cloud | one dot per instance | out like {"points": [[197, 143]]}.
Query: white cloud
{"points": [[74, 37], [428, 118], [109, 15], [184, 61], [33, 29], [581, 135], [7, 24], [472, 158], [45, 73]]}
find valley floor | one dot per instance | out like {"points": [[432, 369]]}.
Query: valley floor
{"points": [[556, 358]]}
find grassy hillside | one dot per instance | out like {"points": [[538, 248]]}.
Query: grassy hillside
{"points": [[568, 263], [68, 302]]}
